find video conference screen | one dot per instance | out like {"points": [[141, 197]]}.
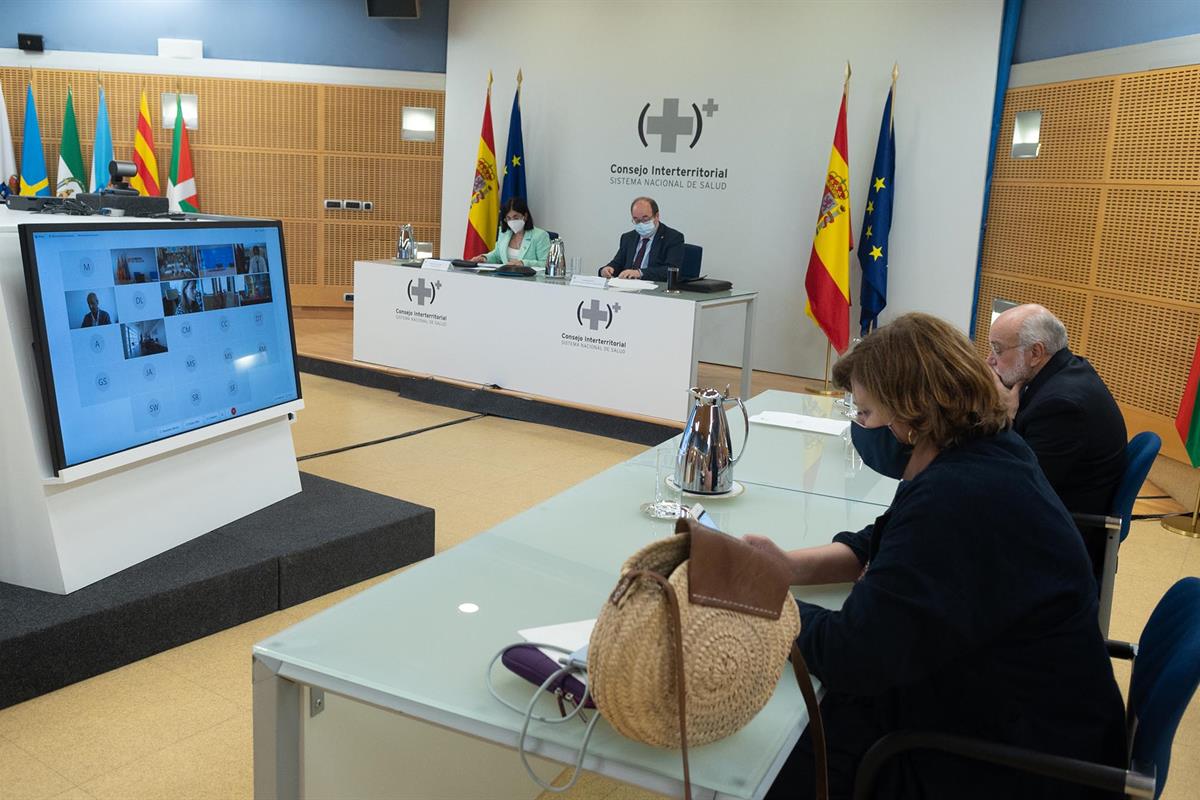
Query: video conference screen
{"points": [[147, 330]]}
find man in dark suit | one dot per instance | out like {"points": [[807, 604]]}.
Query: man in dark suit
{"points": [[648, 249], [96, 315], [1063, 410]]}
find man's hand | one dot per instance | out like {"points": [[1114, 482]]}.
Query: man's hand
{"points": [[630, 273], [1010, 397], [479, 259], [606, 272]]}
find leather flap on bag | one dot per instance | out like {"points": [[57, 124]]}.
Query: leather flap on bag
{"points": [[725, 572]]}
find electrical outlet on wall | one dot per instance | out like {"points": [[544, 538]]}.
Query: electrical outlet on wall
{"points": [[352, 205], [333, 203], [368, 205]]}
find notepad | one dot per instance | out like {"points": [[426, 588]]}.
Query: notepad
{"points": [[802, 422]]}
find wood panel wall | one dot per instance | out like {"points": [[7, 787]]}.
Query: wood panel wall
{"points": [[275, 150], [1103, 228]]}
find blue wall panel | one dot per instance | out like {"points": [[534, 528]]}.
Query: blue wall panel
{"points": [[331, 32], [1052, 28]]}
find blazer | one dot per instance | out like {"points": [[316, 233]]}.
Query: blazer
{"points": [[666, 250], [535, 248], [1074, 427]]}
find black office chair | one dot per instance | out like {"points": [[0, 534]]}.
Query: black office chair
{"points": [[1166, 672], [552, 234], [693, 254]]}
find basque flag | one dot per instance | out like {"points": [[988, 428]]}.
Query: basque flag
{"points": [[877, 224]]}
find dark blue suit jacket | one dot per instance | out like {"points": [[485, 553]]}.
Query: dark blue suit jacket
{"points": [[976, 615], [666, 250], [1074, 427]]}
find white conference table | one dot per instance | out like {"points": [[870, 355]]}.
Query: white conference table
{"points": [[384, 694], [635, 353]]}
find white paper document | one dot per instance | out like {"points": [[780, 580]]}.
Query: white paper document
{"points": [[802, 422], [631, 284], [570, 636]]}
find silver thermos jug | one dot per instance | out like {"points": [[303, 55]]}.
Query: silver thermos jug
{"points": [[704, 464], [406, 248], [556, 261]]}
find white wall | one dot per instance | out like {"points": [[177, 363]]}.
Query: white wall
{"points": [[775, 70]]}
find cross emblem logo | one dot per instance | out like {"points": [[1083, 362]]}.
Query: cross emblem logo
{"points": [[596, 314], [670, 124], [420, 291]]}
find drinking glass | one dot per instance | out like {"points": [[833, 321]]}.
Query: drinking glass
{"points": [[668, 497]]}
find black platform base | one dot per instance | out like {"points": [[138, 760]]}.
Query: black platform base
{"points": [[329, 536], [485, 401]]}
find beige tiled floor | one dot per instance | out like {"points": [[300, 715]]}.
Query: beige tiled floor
{"points": [[177, 724]]}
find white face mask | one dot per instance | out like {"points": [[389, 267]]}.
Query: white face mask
{"points": [[517, 225], [644, 228]]}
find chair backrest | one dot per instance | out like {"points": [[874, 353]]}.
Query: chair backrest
{"points": [[1166, 673], [552, 234], [693, 254], [1139, 456]]}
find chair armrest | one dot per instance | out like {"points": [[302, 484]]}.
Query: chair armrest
{"points": [[1124, 650], [1099, 520], [1099, 776]]}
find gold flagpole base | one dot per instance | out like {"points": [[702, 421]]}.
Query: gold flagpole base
{"points": [[1183, 524], [823, 392]]}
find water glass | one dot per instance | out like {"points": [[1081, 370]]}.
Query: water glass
{"points": [[668, 497], [574, 266]]}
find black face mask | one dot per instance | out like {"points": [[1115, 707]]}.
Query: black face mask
{"points": [[880, 450]]}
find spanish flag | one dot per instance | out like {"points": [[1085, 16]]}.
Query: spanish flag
{"points": [[146, 180], [484, 215], [828, 278], [1187, 421]]}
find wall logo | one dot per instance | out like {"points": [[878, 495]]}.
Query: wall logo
{"points": [[596, 314], [420, 291], [670, 124]]}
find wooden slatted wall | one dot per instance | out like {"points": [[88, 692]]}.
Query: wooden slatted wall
{"points": [[1103, 228], [274, 150]]}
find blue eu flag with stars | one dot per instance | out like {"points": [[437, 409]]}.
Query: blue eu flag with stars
{"points": [[514, 156], [877, 223]]}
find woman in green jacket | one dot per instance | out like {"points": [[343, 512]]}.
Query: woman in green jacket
{"points": [[519, 241]]}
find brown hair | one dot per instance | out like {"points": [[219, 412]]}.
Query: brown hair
{"points": [[925, 372]]}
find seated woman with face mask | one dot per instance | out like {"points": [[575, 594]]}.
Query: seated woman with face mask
{"points": [[973, 610], [519, 241]]}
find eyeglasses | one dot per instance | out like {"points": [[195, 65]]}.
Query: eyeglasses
{"points": [[999, 351]]}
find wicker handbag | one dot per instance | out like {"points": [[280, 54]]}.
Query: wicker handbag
{"points": [[703, 618]]}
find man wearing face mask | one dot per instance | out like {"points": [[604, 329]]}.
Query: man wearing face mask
{"points": [[648, 249], [973, 609], [519, 242], [1063, 410]]}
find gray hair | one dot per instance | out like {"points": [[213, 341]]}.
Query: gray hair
{"points": [[1042, 326]]}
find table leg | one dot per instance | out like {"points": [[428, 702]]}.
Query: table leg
{"points": [[747, 349], [276, 734]]}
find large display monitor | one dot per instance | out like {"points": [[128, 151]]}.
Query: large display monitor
{"points": [[145, 331]]}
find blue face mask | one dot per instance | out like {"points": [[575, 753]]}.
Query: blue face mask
{"points": [[644, 228], [880, 450]]}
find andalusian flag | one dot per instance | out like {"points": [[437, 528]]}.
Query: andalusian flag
{"points": [[1187, 422], [877, 224], [828, 278], [514, 155], [71, 176], [146, 180], [484, 215], [33, 160], [181, 181], [102, 154], [8, 158]]}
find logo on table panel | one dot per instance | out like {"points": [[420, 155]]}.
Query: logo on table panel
{"points": [[593, 314], [670, 125], [420, 292]]}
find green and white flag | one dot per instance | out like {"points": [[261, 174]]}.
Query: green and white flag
{"points": [[70, 157]]}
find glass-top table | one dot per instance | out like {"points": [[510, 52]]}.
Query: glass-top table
{"points": [[417, 644]]}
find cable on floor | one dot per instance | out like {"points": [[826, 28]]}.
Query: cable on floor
{"points": [[404, 435]]}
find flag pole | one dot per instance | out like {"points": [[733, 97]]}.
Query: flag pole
{"points": [[519, 81], [1186, 524], [892, 106]]}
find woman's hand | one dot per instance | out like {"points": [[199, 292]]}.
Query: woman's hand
{"points": [[516, 262], [765, 545], [479, 259]]}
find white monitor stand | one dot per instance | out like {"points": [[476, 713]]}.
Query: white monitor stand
{"points": [[61, 534]]}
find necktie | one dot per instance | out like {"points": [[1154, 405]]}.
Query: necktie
{"points": [[637, 260]]}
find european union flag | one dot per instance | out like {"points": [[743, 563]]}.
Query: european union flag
{"points": [[877, 224], [514, 155], [33, 161]]}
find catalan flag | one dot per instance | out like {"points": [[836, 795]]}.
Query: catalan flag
{"points": [[877, 224], [828, 278], [71, 177], [1187, 422], [485, 201], [513, 169], [33, 161], [181, 181], [8, 158], [146, 180]]}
